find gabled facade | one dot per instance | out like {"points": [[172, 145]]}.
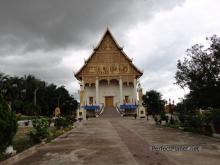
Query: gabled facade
{"points": [[108, 75]]}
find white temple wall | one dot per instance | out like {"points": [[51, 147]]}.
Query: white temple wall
{"points": [[89, 92], [128, 91], [108, 90]]}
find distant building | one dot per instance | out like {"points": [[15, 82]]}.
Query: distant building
{"points": [[108, 76]]}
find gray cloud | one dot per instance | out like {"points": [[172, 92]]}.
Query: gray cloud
{"points": [[158, 44], [35, 34], [52, 24]]}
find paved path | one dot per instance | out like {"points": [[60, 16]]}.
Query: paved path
{"points": [[125, 141], [110, 112], [139, 148]]}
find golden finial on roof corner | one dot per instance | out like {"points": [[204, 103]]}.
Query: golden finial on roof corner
{"points": [[108, 28]]}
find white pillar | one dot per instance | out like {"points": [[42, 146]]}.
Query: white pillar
{"points": [[85, 97], [135, 90], [81, 113], [97, 90], [121, 90], [83, 85], [82, 89]]}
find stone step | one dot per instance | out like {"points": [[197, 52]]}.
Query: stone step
{"points": [[110, 112]]}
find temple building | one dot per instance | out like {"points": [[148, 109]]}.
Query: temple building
{"points": [[108, 77]]}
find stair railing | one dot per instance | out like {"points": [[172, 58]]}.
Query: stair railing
{"points": [[118, 108], [102, 108]]}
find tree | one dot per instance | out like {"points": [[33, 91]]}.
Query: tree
{"points": [[20, 92], [153, 100], [41, 129], [32, 110], [200, 72], [8, 125]]}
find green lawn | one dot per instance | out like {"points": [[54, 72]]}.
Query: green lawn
{"points": [[21, 140]]}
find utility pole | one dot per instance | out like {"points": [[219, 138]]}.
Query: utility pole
{"points": [[35, 96]]}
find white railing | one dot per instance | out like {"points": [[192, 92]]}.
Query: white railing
{"points": [[118, 108], [102, 108]]}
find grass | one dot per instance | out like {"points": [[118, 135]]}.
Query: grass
{"points": [[24, 117], [22, 141], [56, 132]]}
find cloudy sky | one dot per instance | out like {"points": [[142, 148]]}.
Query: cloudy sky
{"points": [[51, 38]]}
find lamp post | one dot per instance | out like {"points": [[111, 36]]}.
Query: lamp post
{"points": [[35, 96]]}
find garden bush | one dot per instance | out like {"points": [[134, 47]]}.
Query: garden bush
{"points": [[41, 129], [61, 122], [198, 123], [163, 116], [18, 116], [215, 119], [71, 119], [181, 117], [8, 125], [31, 109]]}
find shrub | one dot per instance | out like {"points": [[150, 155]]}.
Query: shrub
{"points": [[31, 109], [8, 125], [41, 129], [192, 123], [215, 119], [17, 105], [175, 124], [18, 116], [181, 117], [163, 116], [156, 119], [71, 119], [61, 122], [199, 123]]}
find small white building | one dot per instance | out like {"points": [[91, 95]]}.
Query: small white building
{"points": [[108, 76]]}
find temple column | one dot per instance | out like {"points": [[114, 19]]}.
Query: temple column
{"points": [[135, 89], [121, 90], [81, 113], [97, 90], [82, 92]]}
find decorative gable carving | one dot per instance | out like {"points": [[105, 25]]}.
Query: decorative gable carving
{"points": [[108, 59], [107, 44]]}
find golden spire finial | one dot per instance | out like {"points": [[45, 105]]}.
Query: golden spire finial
{"points": [[107, 27]]}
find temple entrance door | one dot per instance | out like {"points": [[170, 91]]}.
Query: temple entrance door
{"points": [[109, 101]]}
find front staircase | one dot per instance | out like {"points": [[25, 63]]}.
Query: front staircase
{"points": [[110, 112]]}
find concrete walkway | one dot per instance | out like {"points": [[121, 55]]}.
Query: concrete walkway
{"points": [[110, 112], [100, 141]]}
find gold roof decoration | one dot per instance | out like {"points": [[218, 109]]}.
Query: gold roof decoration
{"points": [[108, 59]]}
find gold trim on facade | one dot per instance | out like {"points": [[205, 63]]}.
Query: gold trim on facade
{"points": [[108, 74], [108, 60]]}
